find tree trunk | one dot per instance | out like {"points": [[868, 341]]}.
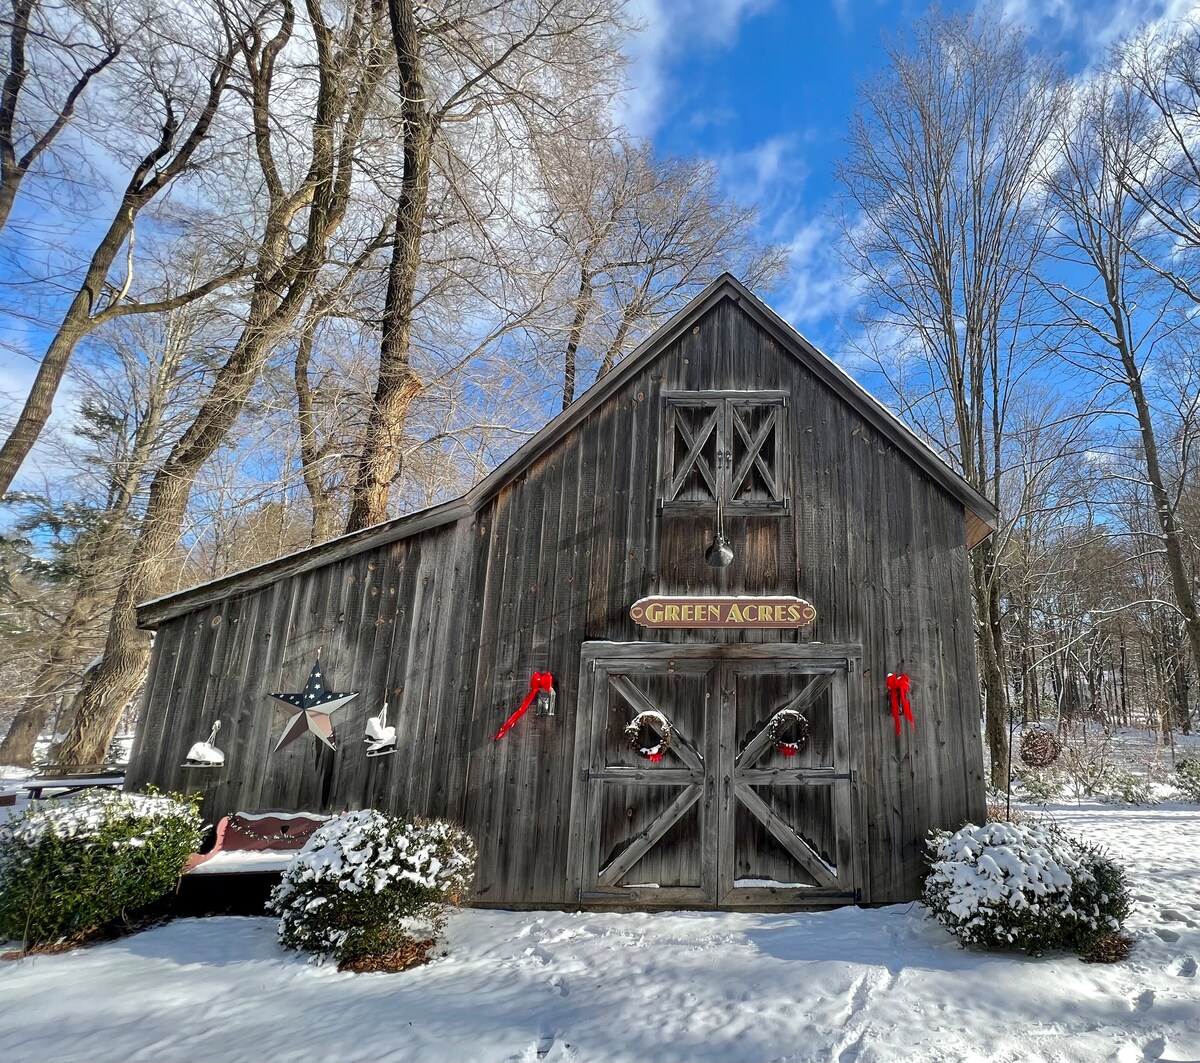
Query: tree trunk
{"points": [[583, 307], [995, 699], [8, 192], [75, 325], [398, 384], [283, 283], [311, 455], [154, 172], [109, 685], [27, 725], [1172, 538]]}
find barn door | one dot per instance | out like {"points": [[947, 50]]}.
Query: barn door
{"points": [[724, 819], [785, 821], [646, 829]]}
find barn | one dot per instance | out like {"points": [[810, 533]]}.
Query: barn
{"points": [[704, 578]]}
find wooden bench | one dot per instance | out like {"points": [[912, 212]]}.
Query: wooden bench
{"points": [[67, 779], [254, 843]]}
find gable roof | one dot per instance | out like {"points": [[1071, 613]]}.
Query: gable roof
{"points": [[982, 516]]}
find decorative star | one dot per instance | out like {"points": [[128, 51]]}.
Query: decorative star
{"points": [[311, 709]]}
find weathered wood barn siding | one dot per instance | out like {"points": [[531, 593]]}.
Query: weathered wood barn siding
{"points": [[450, 622]]}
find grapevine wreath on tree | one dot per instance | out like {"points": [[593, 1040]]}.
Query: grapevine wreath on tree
{"points": [[779, 725], [660, 731]]}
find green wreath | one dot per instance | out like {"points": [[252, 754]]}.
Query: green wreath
{"points": [[633, 732], [776, 727]]}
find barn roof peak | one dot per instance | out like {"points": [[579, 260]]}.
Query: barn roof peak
{"points": [[981, 514]]}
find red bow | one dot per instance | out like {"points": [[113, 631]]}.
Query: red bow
{"points": [[898, 689], [538, 682]]}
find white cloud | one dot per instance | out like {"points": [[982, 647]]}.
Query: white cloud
{"points": [[818, 287], [670, 28], [1087, 26], [770, 174]]}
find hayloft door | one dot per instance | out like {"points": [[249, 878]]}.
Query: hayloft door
{"points": [[732, 811]]}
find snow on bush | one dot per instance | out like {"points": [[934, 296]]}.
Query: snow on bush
{"points": [[366, 882], [1011, 885], [69, 867], [1187, 779]]}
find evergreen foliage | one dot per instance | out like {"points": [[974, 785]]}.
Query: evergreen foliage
{"points": [[365, 884], [69, 868], [1005, 885]]}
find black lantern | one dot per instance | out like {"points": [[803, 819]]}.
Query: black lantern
{"points": [[545, 702], [720, 552]]}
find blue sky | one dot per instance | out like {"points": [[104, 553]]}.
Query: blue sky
{"points": [[766, 88]]}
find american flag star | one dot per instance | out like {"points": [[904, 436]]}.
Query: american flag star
{"points": [[311, 709]]}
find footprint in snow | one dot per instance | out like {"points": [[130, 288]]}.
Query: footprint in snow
{"points": [[1171, 915], [549, 1047], [1184, 967], [1169, 936], [1153, 1049], [1142, 1001], [539, 956], [563, 989]]}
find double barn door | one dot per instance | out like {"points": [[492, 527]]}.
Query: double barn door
{"points": [[725, 819]]}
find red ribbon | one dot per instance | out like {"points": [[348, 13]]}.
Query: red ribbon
{"points": [[538, 682], [898, 689]]}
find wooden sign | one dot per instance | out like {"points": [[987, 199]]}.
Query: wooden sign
{"points": [[738, 611]]}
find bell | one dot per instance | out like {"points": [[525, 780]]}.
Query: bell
{"points": [[720, 553]]}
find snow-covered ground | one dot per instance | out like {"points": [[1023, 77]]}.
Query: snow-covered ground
{"points": [[848, 985]]}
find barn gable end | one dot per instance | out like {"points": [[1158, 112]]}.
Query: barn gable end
{"points": [[446, 614]]}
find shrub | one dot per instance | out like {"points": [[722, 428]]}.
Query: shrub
{"points": [[1041, 785], [1187, 779], [1000, 809], [69, 868], [1087, 762], [1005, 885], [365, 884], [1129, 788]]}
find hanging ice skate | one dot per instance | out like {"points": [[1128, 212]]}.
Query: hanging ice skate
{"points": [[205, 754], [380, 738]]}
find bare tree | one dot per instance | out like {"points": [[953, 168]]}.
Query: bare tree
{"points": [[1102, 231], [940, 178], [139, 387], [186, 120], [298, 224], [640, 235], [1159, 74], [77, 45], [508, 73]]}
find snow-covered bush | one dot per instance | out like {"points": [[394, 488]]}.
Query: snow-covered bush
{"points": [[1008, 885], [1187, 779], [70, 867], [366, 884]]}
